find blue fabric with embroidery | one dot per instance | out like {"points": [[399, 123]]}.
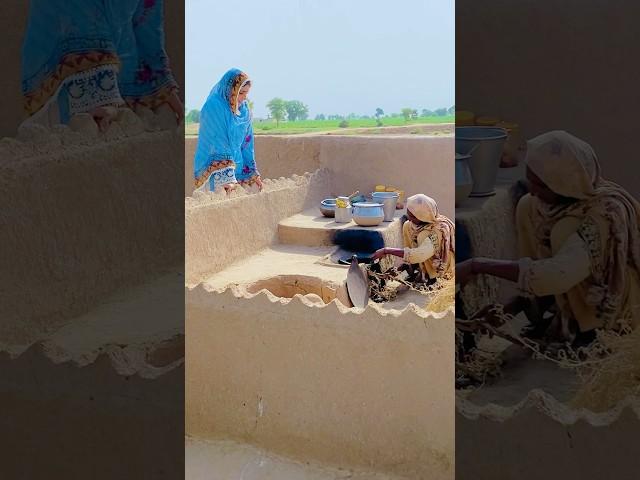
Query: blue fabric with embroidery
{"points": [[132, 30], [223, 136]]}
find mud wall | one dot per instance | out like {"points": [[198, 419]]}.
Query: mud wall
{"points": [[214, 239], [578, 444], [560, 76], [416, 164], [114, 222], [366, 390], [13, 22]]}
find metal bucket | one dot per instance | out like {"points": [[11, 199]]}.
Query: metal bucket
{"points": [[389, 200], [464, 180], [485, 144]]}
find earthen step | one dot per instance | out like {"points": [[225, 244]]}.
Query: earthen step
{"points": [[310, 229]]}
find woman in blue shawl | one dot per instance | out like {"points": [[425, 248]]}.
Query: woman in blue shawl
{"points": [[90, 56], [225, 154]]}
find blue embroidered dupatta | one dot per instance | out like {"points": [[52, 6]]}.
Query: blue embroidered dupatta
{"points": [[225, 152]]}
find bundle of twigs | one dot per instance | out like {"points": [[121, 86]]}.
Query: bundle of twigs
{"points": [[479, 364], [385, 283]]}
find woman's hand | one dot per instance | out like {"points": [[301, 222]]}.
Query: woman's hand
{"points": [[176, 106], [378, 254], [259, 183], [490, 314]]}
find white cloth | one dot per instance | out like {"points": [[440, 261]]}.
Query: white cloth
{"points": [[558, 274], [420, 254]]}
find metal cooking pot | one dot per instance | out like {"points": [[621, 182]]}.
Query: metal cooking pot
{"points": [[368, 214]]}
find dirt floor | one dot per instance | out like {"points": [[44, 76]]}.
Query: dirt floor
{"points": [[226, 460]]}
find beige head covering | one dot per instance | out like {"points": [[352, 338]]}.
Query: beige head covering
{"points": [[566, 164], [425, 209], [611, 216]]}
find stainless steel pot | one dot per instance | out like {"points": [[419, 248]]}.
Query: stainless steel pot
{"points": [[389, 200], [368, 214]]}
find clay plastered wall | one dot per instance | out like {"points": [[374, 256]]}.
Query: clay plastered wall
{"points": [[365, 389], [411, 163], [279, 156], [416, 164], [578, 444], [62, 204], [13, 23], [214, 238], [565, 75]]}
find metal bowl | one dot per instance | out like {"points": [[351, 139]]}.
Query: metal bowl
{"points": [[328, 207]]}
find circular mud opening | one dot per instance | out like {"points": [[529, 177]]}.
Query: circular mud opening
{"points": [[313, 288]]}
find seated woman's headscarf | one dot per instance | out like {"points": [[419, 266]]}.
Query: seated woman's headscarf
{"points": [[425, 209], [569, 167], [225, 152]]}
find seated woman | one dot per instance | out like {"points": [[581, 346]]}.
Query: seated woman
{"points": [[579, 244], [225, 155], [92, 57], [429, 240]]}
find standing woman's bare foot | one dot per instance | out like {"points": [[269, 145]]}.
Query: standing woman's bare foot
{"points": [[230, 187], [103, 116]]}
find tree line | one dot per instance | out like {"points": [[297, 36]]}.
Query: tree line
{"points": [[292, 110]]}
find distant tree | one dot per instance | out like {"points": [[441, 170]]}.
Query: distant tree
{"points": [[250, 103], [320, 116], [452, 110], [427, 113], [366, 117], [278, 109], [193, 117], [343, 124], [296, 110], [406, 113], [414, 114], [379, 112], [352, 116], [441, 112]]}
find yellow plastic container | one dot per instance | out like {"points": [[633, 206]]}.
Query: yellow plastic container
{"points": [[381, 188], [512, 145], [465, 118], [487, 121]]}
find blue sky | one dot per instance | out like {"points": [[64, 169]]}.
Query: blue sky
{"points": [[336, 56]]}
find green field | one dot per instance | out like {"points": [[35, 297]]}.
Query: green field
{"points": [[268, 127]]}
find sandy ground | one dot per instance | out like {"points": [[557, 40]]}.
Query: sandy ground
{"points": [[225, 460], [521, 374]]}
